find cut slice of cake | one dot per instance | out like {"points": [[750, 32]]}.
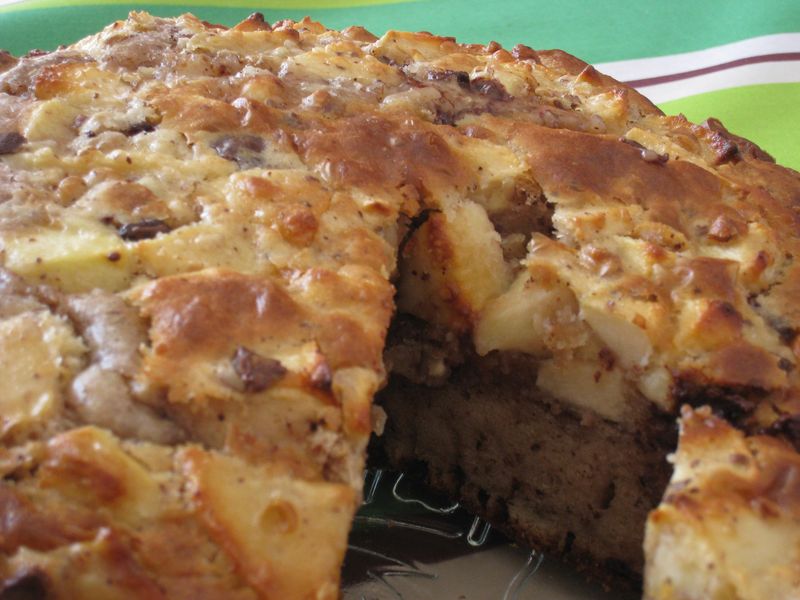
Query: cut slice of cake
{"points": [[202, 231], [727, 528], [192, 321]]}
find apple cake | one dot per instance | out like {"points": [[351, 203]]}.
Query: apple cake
{"points": [[217, 246]]}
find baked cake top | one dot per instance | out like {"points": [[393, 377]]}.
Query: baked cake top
{"points": [[198, 229]]}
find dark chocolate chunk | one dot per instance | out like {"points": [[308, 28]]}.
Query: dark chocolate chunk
{"points": [[486, 86], [256, 372], [143, 230], [143, 127], [654, 157], [30, 585], [244, 150], [490, 88], [460, 77], [10, 141], [647, 154], [786, 427], [444, 117]]}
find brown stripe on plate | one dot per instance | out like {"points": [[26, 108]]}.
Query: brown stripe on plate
{"points": [[748, 60]]}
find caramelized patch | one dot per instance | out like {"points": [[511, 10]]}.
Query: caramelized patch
{"points": [[189, 113], [127, 201], [379, 154], [24, 525], [722, 138], [345, 344], [298, 225], [709, 278], [720, 323], [569, 164], [80, 465], [202, 314], [742, 364]]}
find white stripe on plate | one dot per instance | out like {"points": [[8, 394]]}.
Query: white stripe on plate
{"points": [[757, 73], [642, 68]]}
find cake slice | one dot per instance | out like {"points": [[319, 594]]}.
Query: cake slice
{"points": [[191, 322], [727, 528], [206, 234]]}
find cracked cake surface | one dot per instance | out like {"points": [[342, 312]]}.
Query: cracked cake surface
{"points": [[205, 233]]}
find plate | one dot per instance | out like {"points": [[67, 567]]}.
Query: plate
{"points": [[407, 543]]}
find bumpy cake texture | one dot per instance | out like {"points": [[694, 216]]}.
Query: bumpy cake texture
{"points": [[201, 233]]}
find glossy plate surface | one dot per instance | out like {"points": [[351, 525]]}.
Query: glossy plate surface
{"points": [[408, 544]]}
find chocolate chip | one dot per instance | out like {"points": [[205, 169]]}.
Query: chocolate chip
{"points": [[30, 585], [136, 128], [143, 230], [652, 156], [786, 427], [647, 154], [256, 372], [444, 117], [632, 143], [10, 141], [460, 77], [489, 87], [244, 150]]}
